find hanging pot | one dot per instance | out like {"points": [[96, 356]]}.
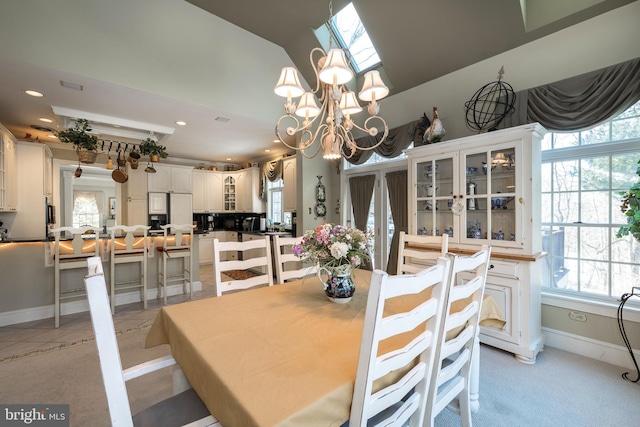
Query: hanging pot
{"points": [[134, 159], [120, 175], [87, 156]]}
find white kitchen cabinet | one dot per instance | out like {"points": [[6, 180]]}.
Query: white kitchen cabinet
{"points": [[290, 184], [230, 236], [170, 179], [8, 173], [31, 217], [249, 191], [134, 192], [206, 248], [157, 203], [485, 189], [207, 191], [136, 212], [229, 191]]}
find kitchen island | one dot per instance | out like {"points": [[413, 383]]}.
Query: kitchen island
{"points": [[27, 283]]}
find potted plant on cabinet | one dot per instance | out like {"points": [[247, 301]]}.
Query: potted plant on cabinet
{"points": [[86, 144], [630, 207], [150, 147]]}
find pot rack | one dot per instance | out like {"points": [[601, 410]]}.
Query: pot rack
{"points": [[110, 145]]}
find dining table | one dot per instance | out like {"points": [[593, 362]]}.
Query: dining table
{"points": [[281, 355]]}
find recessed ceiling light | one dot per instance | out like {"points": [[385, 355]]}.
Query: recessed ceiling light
{"points": [[222, 119], [44, 119], [34, 93], [181, 123], [275, 141], [228, 158], [52, 136], [267, 151]]}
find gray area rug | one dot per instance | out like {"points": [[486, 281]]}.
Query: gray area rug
{"points": [[561, 389]]}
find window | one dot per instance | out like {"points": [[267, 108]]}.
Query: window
{"points": [[85, 209], [275, 201], [583, 174], [350, 34]]}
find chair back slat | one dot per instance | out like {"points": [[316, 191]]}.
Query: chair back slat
{"points": [[285, 259], [256, 262], [417, 252], [422, 300]]}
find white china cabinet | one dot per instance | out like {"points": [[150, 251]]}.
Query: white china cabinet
{"points": [[485, 189]]}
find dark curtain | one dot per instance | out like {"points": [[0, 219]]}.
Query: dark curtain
{"points": [[398, 139], [271, 171], [361, 189], [397, 188], [580, 102]]}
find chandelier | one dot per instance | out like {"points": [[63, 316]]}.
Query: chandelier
{"points": [[331, 124]]}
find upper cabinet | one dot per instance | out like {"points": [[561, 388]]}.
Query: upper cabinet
{"points": [[229, 184], [249, 187], [8, 173], [170, 179], [289, 180], [207, 191], [483, 189]]}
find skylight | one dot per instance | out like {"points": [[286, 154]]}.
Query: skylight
{"points": [[352, 36]]}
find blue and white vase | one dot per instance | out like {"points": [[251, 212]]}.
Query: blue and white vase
{"points": [[339, 286]]}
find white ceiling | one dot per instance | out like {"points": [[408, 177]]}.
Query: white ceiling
{"points": [[146, 64]]}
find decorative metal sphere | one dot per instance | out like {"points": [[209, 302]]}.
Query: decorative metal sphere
{"points": [[490, 104]]}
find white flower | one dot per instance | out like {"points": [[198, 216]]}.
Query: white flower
{"points": [[339, 250]]}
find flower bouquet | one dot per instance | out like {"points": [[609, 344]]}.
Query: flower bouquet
{"points": [[336, 249]]}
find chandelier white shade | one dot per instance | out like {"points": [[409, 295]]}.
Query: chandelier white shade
{"points": [[330, 123]]}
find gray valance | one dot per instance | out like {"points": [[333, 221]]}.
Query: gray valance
{"points": [[580, 102], [398, 139], [271, 171]]}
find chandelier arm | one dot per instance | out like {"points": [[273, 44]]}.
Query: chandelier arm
{"points": [[315, 67], [365, 128]]}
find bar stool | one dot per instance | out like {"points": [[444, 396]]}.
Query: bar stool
{"points": [[72, 254], [176, 244], [129, 244]]}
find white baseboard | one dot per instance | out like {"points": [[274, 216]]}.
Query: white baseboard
{"points": [[599, 350], [46, 312]]}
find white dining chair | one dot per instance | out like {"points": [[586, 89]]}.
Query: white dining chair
{"points": [[417, 252], [452, 370], [401, 401], [68, 255], [253, 262], [182, 409], [128, 244], [177, 241], [288, 265]]}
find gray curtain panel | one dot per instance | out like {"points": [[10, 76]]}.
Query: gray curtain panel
{"points": [[398, 139], [397, 188], [361, 189], [580, 102], [271, 171]]}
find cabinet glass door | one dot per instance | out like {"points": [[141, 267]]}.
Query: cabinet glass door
{"points": [[436, 188], [230, 193], [490, 194]]}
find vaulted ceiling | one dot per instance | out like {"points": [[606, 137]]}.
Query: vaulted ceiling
{"points": [[144, 65]]}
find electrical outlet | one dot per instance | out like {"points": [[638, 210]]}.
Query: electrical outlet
{"points": [[578, 317]]}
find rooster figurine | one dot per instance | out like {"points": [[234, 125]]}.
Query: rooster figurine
{"points": [[436, 130]]}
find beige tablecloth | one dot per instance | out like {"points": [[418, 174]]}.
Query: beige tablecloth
{"points": [[275, 356]]}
